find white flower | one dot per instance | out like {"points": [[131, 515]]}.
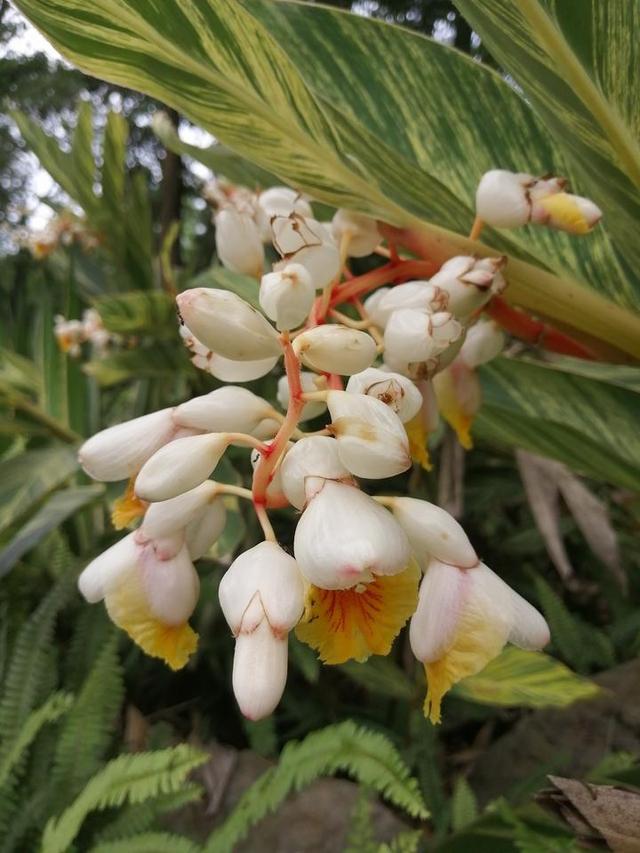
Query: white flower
{"points": [[372, 303], [262, 598], [107, 568], [164, 518], [227, 409], [413, 294], [483, 342], [118, 452], [394, 390], [308, 460], [171, 584], [205, 528], [566, 212], [286, 296], [372, 441], [335, 349], [469, 282], [305, 241], [180, 466], [238, 242], [309, 382], [502, 198], [418, 344], [222, 368], [227, 324], [345, 538], [279, 201], [433, 533], [360, 231]]}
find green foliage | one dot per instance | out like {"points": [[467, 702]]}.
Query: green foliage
{"points": [[136, 313], [368, 756], [149, 842], [133, 820], [464, 806], [381, 676], [129, 778]]}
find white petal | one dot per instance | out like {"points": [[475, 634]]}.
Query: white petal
{"points": [[412, 294], [440, 604], [309, 382], [205, 529], [396, 391], [483, 342], [179, 466], [433, 533], [501, 198], [238, 242], [228, 409], [118, 452], [361, 231], [286, 296], [105, 570], [529, 629], [259, 671], [344, 537], [171, 586], [335, 349], [165, 517], [316, 456]]}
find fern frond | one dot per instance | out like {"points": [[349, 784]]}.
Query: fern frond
{"points": [[140, 817], [128, 778], [92, 629], [55, 706], [150, 842], [87, 730], [30, 663], [360, 837], [464, 806], [368, 756], [26, 822], [404, 842]]}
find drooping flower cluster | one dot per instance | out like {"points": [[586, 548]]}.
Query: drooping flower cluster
{"points": [[71, 334], [362, 565]]}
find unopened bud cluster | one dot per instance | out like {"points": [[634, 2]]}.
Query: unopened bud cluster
{"points": [[362, 565]]}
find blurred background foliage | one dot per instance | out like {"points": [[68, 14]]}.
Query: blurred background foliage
{"points": [[96, 740]]}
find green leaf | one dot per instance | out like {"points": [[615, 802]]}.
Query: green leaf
{"points": [[587, 423], [464, 806], [60, 506], [578, 65], [26, 479], [160, 361], [243, 285], [368, 756], [129, 778], [151, 312], [381, 676], [529, 679], [149, 842], [81, 163], [392, 155]]}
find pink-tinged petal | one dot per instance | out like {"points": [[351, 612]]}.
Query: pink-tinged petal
{"points": [[442, 597], [529, 629]]}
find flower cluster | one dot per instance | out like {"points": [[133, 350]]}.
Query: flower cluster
{"points": [[62, 230], [363, 564], [71, 334]]}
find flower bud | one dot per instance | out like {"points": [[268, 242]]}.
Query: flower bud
{"points": [[371, 440], [459, 396], [345, 538], [360, 232], [222, 368], [267, 572], [106, 570], [180, 466], [238, 242], [309, 459], [266, 429], [118, 452], [279, 201], [165, 518], [227, 409], [372, 304], [205, 528], [310, 382], [286, 296], [335, 349], [415, 341], [502, 198], [412, 294], [259, 666], [433, 533], [306, 242], [566, 212], [483, 342], [227, 324], [392, 389], [171, 585], [469, 282]]}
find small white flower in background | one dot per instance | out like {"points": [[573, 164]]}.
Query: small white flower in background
{"points": [[227, 409], [309, 462], [227, 324], [419, 344], [279, 201], [463, 620], [310, 382], [286, 296], [224, 369], [335, 349], [179, 466], [69, 334], [118, 452], [469, 282], [358, 233], [484, 341], [262, 598], [413, 294], [238, 242], [396, 391], [509, 199], [345, 538], [372, 441]]}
